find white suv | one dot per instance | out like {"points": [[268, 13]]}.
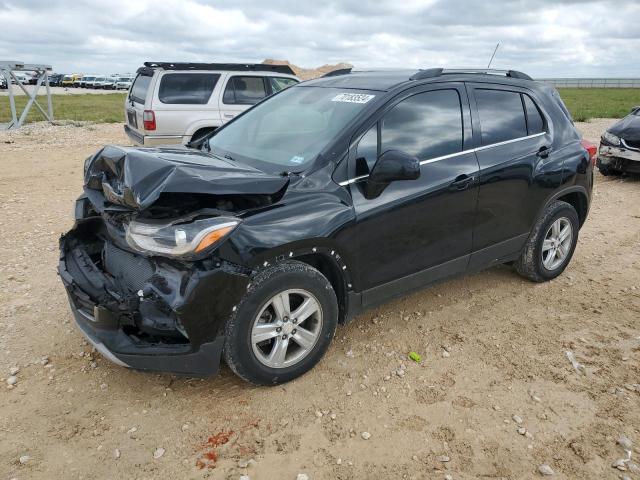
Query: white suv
{"points": [[180, 102]]}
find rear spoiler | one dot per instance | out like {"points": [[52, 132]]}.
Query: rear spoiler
{"points": [[149, 67]]}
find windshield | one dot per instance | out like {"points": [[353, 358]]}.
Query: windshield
{"points": [[289, 130]]}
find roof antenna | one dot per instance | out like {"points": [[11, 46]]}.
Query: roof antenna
{"points": [[493, 55]]}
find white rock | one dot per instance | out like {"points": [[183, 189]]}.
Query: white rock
{"points": [[365, 435], [246, 463], [445, 354], [517, 419], [24, 459], [12, 380], [625, 443], [158, 453], [185, 427], [545, 469], [620, 464], [318, 414], [339, 461], [448, 476], [116, 453], [244, 477], [14, 370], [302, 476], [333, 416], [443, 458], [522, 430], [350, 355]]}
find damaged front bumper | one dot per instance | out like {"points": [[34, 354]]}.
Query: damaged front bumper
{"points": [[619, 158], [148, 313]]}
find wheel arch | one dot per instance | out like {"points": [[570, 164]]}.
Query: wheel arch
{"points": [[575, 196]]}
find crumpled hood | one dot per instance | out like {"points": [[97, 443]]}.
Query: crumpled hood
{"points": [[627, 128], [134, 177]]}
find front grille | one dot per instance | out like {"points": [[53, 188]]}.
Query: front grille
{"points": [[132, 270]]}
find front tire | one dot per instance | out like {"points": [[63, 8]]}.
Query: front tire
{"points": [[282, 326], [551, 243]]}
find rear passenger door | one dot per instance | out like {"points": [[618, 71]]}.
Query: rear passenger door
{"points": [[415, 231], [240, 92], [517, 168]]}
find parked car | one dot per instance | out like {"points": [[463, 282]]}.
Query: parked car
{"points": [[55, 79], [3, 83], [327, 198], [620, 146], [109, 83], [100, 83], [86, 81], [123, 83], [178, 102], [21, 77], [71, 80]]}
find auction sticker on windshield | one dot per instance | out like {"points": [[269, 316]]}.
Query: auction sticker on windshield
{"points": [[352, 97]]}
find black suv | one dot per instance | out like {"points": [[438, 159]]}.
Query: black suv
{"points": [[327, 198]]}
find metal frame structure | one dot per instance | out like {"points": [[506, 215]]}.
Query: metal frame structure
{"points": [[7, 69]]}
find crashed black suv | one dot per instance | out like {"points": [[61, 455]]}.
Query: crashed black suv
{"points": [[327, 198], [620, 146]]}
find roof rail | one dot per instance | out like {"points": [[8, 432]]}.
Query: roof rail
{"points": [[436, 72], [428, 73], [235, 67], [335, 73]]}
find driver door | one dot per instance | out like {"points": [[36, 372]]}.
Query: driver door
{"points": [[416, 231]]}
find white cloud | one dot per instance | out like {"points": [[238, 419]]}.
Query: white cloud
{"points": [[543, 38]]}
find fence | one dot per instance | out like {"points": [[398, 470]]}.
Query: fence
{"points": [[592, 82]]}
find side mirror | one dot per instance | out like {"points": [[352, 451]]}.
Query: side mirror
{"points": [[391, 166]]}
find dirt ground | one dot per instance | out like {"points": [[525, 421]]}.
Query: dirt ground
{"points": [[72, 414]]}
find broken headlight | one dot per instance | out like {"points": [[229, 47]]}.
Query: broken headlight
{"points": [[611, 138], [178, 237]]}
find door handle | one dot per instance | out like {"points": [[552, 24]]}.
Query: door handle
{"points": [[462, 182], [544, 152]]}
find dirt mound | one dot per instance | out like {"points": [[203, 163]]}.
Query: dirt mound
{"points": [[308, 73]]}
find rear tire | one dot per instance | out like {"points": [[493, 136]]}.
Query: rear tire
{"points": [[551, 244], [285, 326]]}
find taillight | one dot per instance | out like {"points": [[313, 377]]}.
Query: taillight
{"points": [[149, 120], [591, 149]]}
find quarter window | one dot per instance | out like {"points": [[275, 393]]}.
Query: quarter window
{"points": [[244, 90], [535, 124], [280, 83], [426, 125], [138, 90], [501, 116], [187, 88], [367, 151]]}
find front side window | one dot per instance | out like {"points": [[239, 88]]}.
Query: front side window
{"points": [[501, 114], [287, 131], [426, 125], [244, 90], [280, 83], [187, 88]]}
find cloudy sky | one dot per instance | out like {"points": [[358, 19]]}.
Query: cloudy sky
{"points": [[553, 38]]}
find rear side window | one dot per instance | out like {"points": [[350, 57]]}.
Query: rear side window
{"points": [[280, 83], [426, 125], [501, 116], [535, 123], [187, 88], [244, 90], [139, 88]]}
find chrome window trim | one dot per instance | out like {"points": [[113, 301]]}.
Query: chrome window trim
{"points": [[451, 155]]}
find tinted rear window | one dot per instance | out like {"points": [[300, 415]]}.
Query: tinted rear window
{"points": [[426, 125], [501, 116], [187, 88], [139, 88]]}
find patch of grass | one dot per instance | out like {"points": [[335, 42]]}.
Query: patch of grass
{"points": [[586, 103], [106, 108], [583, 103]]}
